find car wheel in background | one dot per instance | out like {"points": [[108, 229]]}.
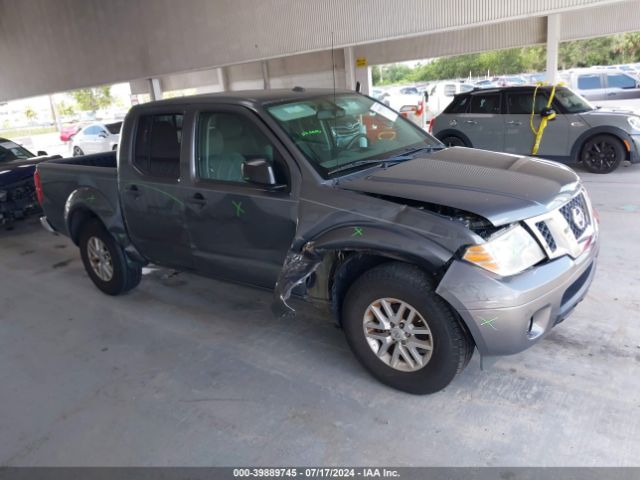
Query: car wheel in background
{"points": [[453, 141], [402, 332], [602, 153], [77, 151], [105, 261]]}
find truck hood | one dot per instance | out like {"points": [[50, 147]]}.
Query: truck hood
{"points": [[500, 187]]}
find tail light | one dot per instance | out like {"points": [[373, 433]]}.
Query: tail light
{"points": [[420, 108], [431, 123], [38, 184]]}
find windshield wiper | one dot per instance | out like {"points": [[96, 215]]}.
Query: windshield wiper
{"points": [[360, 163], [409, 153]]}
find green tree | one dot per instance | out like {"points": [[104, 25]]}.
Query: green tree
{"points": [[93, 99], [65, 109], [30, 113]]}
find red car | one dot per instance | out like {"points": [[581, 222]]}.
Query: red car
{"points": [[69, 131]]}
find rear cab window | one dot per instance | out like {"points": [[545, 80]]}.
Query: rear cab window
{"points": [[157, 145], [590, 81]]}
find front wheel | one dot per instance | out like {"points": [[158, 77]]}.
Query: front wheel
{"points": [[402, 332], [105, 261], [602, 154]]}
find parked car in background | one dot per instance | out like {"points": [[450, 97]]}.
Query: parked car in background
{"points": [[499, 120], [421, 252], [68, 131], [441, 94], [96, 138], [408, 101], [17, 191], [510, 80], [602, 84], [482, 84]]}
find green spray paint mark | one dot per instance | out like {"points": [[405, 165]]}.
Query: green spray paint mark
{"points": [[488, 322], [239, 210], [310, 132], [357, 232], [91, 198]]}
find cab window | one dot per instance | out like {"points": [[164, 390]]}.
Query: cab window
{"points": [[590, 82], [620, 80], [157, 145], [521, 103], [225, 141], [488, 103]]}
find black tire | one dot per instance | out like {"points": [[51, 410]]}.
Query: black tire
{"points": [[126, 276], [115, 147], [602, 153], [453, 141], [452, 347], [77, 151]]}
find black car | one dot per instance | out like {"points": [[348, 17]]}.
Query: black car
{"points": [[17, 191]]}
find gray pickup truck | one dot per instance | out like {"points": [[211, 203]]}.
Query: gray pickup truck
{"points": [[421, 252]]}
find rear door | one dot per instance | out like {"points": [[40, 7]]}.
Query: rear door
{"points": [[239, 231], [592, 85], [150, 188], [483, 123], [518, 136]]}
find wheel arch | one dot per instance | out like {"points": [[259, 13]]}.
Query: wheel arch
{"points": [[450, 132], [616, 132]]}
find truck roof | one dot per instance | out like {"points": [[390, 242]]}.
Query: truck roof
{"points": [[257, 97]]}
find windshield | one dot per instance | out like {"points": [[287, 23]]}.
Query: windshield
{"points": [[336, 131], [12, 151], [572, 102]]}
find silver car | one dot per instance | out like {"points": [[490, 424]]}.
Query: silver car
{"points": [[499, 120]]}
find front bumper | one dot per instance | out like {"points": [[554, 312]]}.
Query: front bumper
{"points": [[508, 315]]}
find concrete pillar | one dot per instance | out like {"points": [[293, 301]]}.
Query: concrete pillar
{"points": [[553, 38], [350, 68], [266, 82], [155, 90], [363, 75], [223, 79]]}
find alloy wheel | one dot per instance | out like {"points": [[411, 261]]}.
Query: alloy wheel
{"points": [[100, 259]]}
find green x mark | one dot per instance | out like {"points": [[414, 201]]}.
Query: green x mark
{"points": [[489, 322], [239, 210], [357, 232]]}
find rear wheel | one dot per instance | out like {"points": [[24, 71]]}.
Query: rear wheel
{"points": [[77, 151], [105, 261], [402, 332], [453, 141], [602, 154]]}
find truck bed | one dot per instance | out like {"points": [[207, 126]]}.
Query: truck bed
{"points": [[60, 178]]}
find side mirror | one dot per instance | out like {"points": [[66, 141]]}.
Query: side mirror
{"points": [[102, 135], [260, 172], [549, 113], [41, 153], [426, 97]]}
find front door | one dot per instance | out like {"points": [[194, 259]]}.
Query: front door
{"points": [[239, 231], [150, 190], [518, 136]]}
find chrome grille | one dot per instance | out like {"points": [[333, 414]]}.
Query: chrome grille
{"points": [[570, 212], [547, 236]]}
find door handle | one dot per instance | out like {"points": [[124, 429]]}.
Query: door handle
{"points": [[611, 94], [514, 122], [198, 200], [134, 191], [471, 122]]}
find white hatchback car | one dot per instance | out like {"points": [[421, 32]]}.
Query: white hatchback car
{"points": [[95, 138]]}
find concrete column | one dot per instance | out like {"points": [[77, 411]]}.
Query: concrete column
{"points": [[223, 79], [363, 75], [553, 38], [350, 68], [266, 82], [155, 90]]}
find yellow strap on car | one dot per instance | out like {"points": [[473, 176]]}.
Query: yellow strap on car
{"points": [[545, 118]]}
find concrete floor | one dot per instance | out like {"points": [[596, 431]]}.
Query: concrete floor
{"points": [[191, 371]]}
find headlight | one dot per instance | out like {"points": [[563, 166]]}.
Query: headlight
{"points": [[508, 253], [634, 122]]}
